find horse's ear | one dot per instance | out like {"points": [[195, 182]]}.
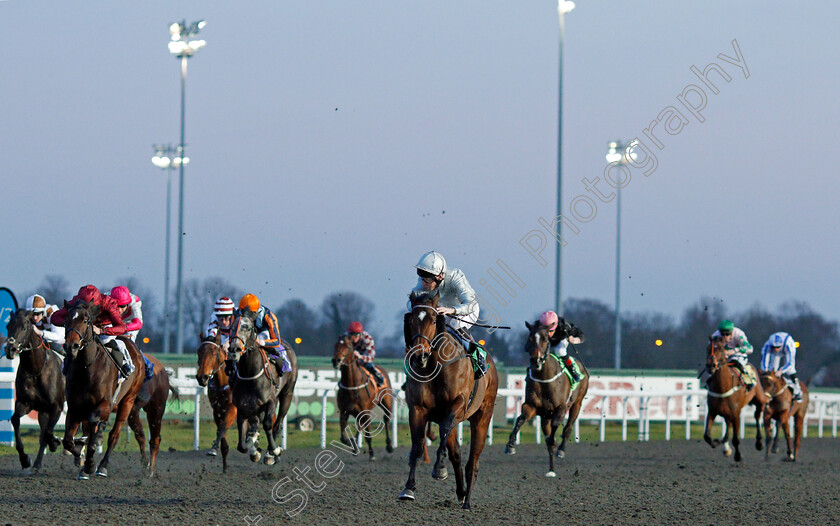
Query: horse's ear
{"points": [[528, 325]]}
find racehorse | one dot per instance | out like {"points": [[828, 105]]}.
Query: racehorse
{"points": [[158, 387], [548, 394], [441, 388], [39, 385], [257, 393], [727, 396], [359, 394], [211, 374], [92, 386], [780, 407]]}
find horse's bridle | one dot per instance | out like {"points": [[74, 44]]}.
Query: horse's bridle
{"points": [[543, 353], [84, 340], [221, 354], [423, 336]]}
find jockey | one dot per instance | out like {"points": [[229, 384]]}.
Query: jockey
{"points": [[108, 324], [779, 356], [130, 310], [736, 346], [52, 335], [559, 340], [363, 349], [457, 301], [219, 324], [268, 337]]}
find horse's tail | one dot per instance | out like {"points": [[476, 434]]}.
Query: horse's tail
{"points": [[172, 388]]}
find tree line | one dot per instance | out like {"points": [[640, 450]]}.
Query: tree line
{"points": [[682, 341]]}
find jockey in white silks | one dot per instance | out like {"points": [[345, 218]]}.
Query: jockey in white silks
{"points": [[779, 356]]}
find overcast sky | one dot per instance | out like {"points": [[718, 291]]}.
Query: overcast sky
{"points": [[334, 142]]}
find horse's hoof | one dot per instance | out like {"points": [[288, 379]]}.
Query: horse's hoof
{"points": [[82, 476], [727, 453], [407, 494], [269, 460], [440, 474], [461, 500], [211, 452], [102, 472], [372, 458], [389, 448], [738, 457], [255, 457], [759, 446], [277, 451], [466, 506], [560, 454], [26, 471], [510, 450], [551, 474]]}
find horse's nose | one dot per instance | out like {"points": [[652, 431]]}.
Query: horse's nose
{"points": [[202, 380], [335, 363]]}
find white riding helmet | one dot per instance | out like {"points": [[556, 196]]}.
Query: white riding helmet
{"points": [[431, 262], [223, 307], [777, 340], [36, 303]]}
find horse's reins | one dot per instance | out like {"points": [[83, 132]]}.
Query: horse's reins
{"points": [[219, 352], [553, 378]]}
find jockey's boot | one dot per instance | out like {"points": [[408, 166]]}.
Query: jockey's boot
{"points": [[576, 376], [57, 348], [122, 365], [278, 364], [744, 376], [380, 380], [797, 389], [477, 354]]}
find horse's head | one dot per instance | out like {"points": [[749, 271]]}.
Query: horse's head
{"points": [[210, 360], [424, 322], [715, 353], [343, 353], [19, 330], [79, 326], [243, 333], [537, 345], [771, 384]]}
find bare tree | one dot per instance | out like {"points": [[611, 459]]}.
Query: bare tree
{"points": [[55, 289], [341, 308], [199, 297]]}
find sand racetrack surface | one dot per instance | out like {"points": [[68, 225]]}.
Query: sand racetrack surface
{"points": [[677, 482]]}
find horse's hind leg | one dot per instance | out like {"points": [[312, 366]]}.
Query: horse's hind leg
{"points": [[20, 409], [767, 434], [759, 411], [479, 423], [799, 422], [387, 404], [221, 434], [454, 450], [784, 423], [154, 415], [528, 412], [136, 425], [43, 438]]}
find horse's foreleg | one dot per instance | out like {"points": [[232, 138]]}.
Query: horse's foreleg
{"points": [[759, 411], [549, 428], [417, 425], [447, 426], [574, 411], [528, 412], [767, 434], [342, 429], [43, 438], [123, 411], [707, 428], [90, 429], [736, 436], [71, 426], [454, 450], [154, 415], [799, 422], [784, 422], [387, 404], [20, 410], [268, 427]]}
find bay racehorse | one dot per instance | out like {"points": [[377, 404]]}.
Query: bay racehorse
{"points": [[442, 388], [358, 395], [259, 396], [92, 386], [211, 374], [39, 385], [727, 396], [155, 406], [780, 407], [549, 394]]}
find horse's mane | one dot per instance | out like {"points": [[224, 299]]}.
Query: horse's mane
{"points": [[93, 309]]}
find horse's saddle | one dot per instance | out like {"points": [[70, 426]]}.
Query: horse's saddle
{"points": [[749, 376]]}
